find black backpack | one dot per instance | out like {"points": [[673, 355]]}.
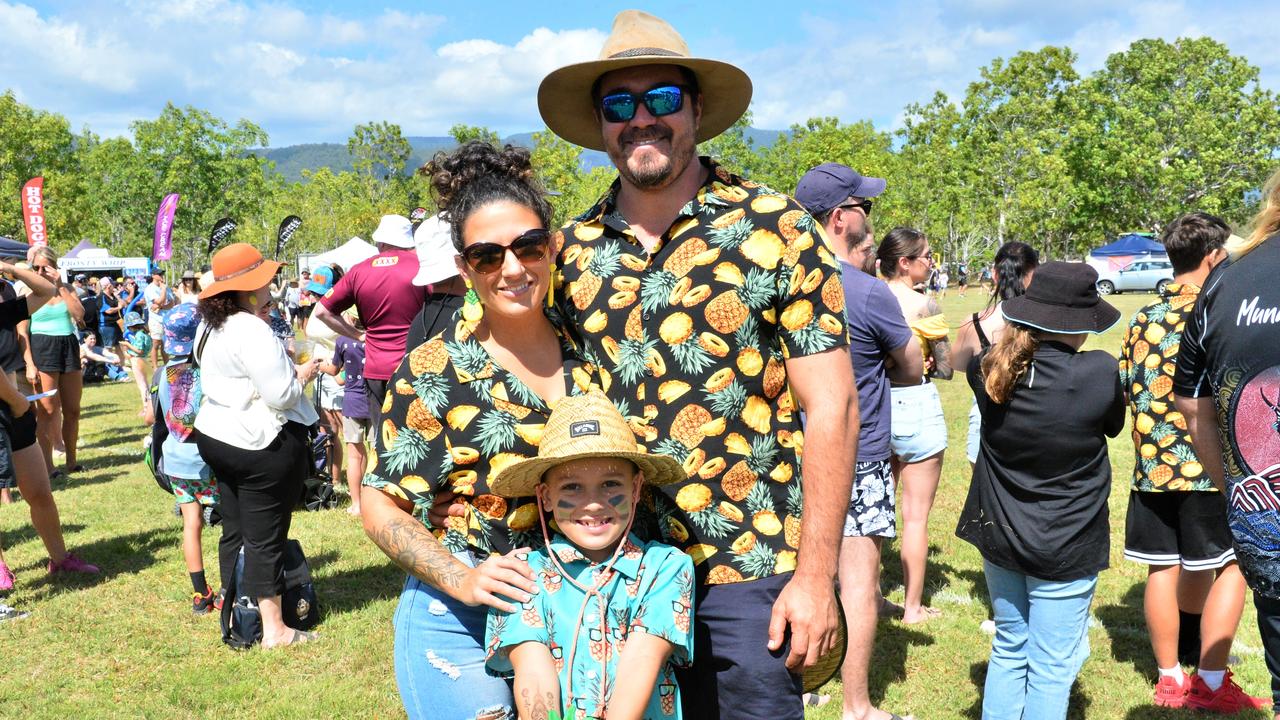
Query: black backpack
{"points": [[241, 619]]}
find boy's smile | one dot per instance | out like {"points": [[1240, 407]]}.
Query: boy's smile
{"points": [[592, 500]]}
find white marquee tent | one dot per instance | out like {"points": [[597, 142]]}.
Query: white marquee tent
{"points": [[345, 255]]}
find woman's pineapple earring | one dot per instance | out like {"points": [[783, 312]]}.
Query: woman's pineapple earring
{"points": [[472, 308]]}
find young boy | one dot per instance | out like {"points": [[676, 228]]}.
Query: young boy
{"points": [[178, 389], [348, 359], [137, 345], [608, 607]]}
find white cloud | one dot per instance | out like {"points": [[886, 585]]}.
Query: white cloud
{"points": [[309, 76]]}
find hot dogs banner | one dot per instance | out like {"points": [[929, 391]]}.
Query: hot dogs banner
{"points": [[33, 211]]}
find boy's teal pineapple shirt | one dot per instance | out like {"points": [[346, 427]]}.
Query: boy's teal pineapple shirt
{"points": [[650, 591]]}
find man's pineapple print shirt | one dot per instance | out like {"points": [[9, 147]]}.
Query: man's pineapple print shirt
{"points": [[452, 419], [693, 338], [1165, 459]]}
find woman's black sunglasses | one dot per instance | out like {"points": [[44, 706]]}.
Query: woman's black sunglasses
{"points": [[662, 100], [529, 248]]}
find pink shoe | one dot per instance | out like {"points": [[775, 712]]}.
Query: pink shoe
{"points": [[6, 578], [71, 563]]}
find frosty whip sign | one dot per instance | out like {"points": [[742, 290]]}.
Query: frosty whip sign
{"points": [[33, 211], [162, 248]]}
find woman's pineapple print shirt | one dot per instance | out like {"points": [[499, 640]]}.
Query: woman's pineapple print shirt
{"points": [[452, 418], [694, 337], [650, 591], [1165, 459]]}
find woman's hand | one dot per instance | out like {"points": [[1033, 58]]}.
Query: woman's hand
{"points": [[506, 575], [33, 376], [307, 370]]}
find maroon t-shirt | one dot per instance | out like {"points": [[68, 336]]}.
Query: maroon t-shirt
{"points": [[383, 292]]}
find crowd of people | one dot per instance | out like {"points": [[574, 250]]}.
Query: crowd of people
{"points": [[584, 445]]}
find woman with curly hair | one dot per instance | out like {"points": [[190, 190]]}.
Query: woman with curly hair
{"points": [[252, 428], [502, 363]]}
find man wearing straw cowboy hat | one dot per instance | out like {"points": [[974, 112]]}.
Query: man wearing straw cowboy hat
{"points": [[707, 296]]}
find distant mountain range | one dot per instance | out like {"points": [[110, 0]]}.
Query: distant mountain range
{"points": [[291, 160]]}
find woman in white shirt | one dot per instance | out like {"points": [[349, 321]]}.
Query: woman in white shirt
{"points": [[252, 428]]}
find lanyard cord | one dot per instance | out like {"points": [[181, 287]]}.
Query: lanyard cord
{"points": [[603, 576]]}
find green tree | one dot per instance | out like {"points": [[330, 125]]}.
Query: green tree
{"points": [[188, 151], [464, 134], [858, 145], [1168, 128], [38, 143], [733, 149], [379, 154], [1015, 121]]}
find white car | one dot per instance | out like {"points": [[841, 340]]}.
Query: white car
{"points": [[1144, 275]]}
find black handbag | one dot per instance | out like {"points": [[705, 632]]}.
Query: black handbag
{"points": [[241, 619]]}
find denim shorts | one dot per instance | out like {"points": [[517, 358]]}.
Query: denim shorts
{"points": [[439, 657], [917, 429], [975, 433]]}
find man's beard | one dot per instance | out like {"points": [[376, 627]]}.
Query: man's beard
{"points": [[655, 172]]}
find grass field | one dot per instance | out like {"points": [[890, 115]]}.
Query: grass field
{"points": [[124, 644]]}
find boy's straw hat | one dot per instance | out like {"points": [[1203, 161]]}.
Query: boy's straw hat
{"points": [[583, 426]]}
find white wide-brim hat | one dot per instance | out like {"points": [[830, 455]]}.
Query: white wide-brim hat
{"points": [[434, 241]]}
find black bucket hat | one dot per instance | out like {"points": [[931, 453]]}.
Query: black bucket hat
{"points": [[1063, 298]]}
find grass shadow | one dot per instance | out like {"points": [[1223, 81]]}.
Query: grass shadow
{"points": [[350, 590], [27, 532], [121, 555], [889, 657], [1126, 626], [122, 437]]}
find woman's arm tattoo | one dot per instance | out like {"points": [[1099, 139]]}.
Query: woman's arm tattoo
{"points": [[419, 553]]}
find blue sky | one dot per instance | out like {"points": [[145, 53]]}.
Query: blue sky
{"points": [[309, 71]]}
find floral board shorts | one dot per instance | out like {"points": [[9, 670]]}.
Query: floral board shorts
{"points": [[871, 509], [189, 490]]}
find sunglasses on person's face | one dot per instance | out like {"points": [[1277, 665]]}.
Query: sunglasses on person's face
{"points": [[619, 107], [864, 205], [529, 248]]}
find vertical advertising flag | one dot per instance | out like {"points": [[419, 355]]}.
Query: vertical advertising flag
{"points": [[288, 227], [417, 216], [33, 211], [162, 248], [221, 230]]}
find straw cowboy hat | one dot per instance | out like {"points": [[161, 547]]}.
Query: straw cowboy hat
{"points": [[583, 426], [638, 38], [239, 266]]}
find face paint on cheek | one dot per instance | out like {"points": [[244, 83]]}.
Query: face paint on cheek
{"points": [[564, 505], [620, 502]]}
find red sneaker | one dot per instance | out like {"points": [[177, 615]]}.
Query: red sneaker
{"points": [[1228, 699], [1169, 693]]}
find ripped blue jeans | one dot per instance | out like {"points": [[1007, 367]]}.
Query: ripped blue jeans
{"points": [[439, 658]]}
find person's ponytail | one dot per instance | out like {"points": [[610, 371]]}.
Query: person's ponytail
{"points": [[1007, 361]]}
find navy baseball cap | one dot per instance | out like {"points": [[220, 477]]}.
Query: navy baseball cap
{"points": [[830, 184]]}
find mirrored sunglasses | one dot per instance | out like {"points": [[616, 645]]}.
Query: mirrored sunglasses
{"points": [[662, 100]]}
